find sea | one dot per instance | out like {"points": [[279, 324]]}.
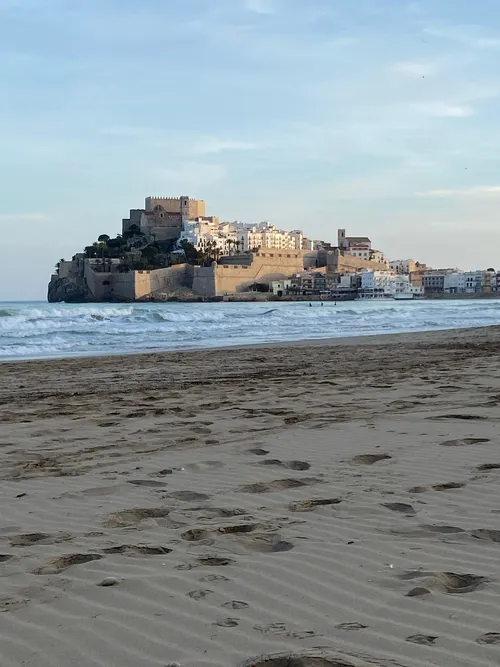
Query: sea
{"points": [[37, 330]]}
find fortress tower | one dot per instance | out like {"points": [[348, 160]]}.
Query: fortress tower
{"points": [[184, 206]]}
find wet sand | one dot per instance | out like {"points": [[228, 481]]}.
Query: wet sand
{"points": [[328, 498]]}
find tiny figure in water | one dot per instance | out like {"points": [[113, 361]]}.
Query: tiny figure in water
{"points": [[310, 305], [322, 303]]}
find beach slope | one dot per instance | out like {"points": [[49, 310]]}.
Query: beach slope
{"points": [[326, 499]]}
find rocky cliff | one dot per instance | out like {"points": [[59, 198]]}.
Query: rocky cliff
{"points": [[68, 290]]}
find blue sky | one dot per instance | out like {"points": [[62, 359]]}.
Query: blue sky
{"points": [[375, 115]]}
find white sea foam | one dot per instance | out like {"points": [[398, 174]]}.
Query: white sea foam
{"points": [[34, 330]]}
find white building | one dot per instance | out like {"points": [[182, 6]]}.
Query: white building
{"points": [[279, 287], [403, 265], [470, 282], [232, 236], [454, 283], [267, 235], [203, 231], [386, 284]]}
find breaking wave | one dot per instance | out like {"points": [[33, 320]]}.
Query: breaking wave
{"points": [[37, 330]]}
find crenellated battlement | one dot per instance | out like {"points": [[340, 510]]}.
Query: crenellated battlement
{"points": [[176, 199]]}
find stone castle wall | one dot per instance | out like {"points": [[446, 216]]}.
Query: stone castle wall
{"points": [[208, 282], [265, 267], [338, 263]]}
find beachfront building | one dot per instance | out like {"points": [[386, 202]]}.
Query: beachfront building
{"points": [[471, 282], [309, 283], [433, 280], [280, 287], [454, 283], [386, 284]]}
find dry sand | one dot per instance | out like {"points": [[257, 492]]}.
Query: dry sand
{"points": [[324, 499]]}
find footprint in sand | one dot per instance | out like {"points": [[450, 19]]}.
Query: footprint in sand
{"points": [[447, 582], [281, 630], [424, 640], [418, 591], [369, 459], [215, 561], [147, 482], [255, 543], [278, 485], [486, 534], [459, 417], [265, 544], [29, 539], [426, 531], [447, 486], [213, 577], [189, 496], [5, 557], [235, 604], [197, 534], [310, 505], [257, 451], [489, 638], [291, 465], [402, 508], [134, 516], [486, 467], [57, 565], [134, 549], [315, 658], [464, 442], [351, 626], [222, 512], [227, 622], [200, 594]]}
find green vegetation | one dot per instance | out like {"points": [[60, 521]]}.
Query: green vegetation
{"points": [[136, 252]]}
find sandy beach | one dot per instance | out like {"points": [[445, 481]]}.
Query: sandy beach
{"points": [[338, 500]]}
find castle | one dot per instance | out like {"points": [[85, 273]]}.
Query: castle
{"points": [[263, 254], [164, 218]]}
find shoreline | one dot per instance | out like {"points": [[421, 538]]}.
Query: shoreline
{"points": [[361, 340]]}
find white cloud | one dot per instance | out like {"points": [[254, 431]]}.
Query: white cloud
{"points": [[469, 35], [261, 6], [415, 69], [211, 145], [184, 144], [475, 191], [444, 110]]}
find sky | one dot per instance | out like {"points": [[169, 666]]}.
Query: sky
{"points": [[378, 116]]}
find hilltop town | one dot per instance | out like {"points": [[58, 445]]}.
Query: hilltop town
{"points": [[171, 250]]}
